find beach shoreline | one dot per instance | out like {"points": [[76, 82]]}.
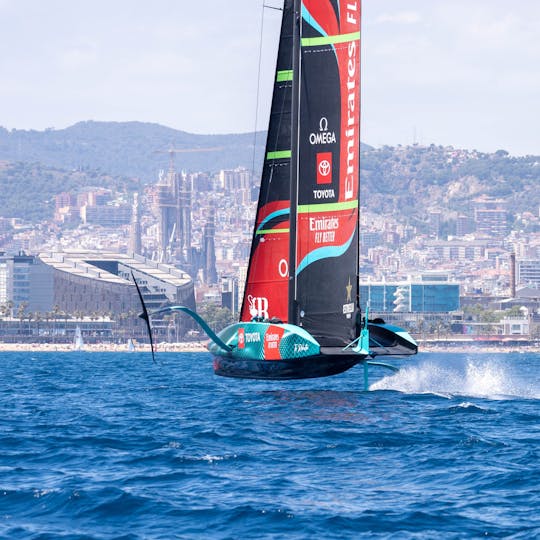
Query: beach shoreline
{"points": [[189, 346], [201, 346]]}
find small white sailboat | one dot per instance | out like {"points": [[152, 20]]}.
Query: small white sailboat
{"points": [[78, 343]]}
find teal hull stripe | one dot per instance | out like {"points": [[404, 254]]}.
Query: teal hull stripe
{"points": [[323, 253]]}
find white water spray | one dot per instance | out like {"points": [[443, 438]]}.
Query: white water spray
{"points": [[478, 377]]}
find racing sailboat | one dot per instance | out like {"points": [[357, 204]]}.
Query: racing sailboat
{"points": [[300, 315]]}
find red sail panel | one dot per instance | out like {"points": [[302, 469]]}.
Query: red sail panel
{"points": [[266, 292], [328, 190]]}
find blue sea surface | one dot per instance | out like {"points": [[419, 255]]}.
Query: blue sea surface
{"points": [[109, 445]]}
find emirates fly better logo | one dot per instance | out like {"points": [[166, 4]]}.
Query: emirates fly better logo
{"points": [[324, 167]]}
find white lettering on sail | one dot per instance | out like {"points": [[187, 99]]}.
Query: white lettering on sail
{"points": [[352, 97], [326, 137], [323, 224], [323, 193], [323, 136], [324, 228], [325, 237], [258, 306], [352, 9], [283, 268]]}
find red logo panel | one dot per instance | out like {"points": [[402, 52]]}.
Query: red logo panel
{"points": [[241, 338], [272, 339], [324, 167]]}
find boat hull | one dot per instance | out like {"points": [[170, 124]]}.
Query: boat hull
{"points": [[389, 340], [322, 365], [262, 350]]}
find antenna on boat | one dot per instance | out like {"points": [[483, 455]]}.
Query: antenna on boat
{"points": [[145, 317]]}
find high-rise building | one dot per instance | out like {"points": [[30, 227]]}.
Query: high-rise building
{"points": [[209, 250], [25, 280], [229, 293], [490, 216], [135, 227], [528, 272], [173, 194]]}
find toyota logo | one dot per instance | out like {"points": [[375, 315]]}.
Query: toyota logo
{"points": [[324, 167]]}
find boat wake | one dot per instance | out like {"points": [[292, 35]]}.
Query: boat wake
{"points": [[486, 378]]}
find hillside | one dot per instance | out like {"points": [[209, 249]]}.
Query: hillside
{"points": [[28, 189], [132, 149], [411, 181], [405, 181]]}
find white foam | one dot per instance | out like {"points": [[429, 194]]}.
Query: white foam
{"points": [[486, 378]]}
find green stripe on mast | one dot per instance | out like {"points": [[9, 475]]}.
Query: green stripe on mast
{"points": [[279, 154], [285, 75], [330, 40]]}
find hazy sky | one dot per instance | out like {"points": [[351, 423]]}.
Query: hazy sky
{"points": [[465, 72]]}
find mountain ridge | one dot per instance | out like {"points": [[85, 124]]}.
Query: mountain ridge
{"points": [[409, 181]]}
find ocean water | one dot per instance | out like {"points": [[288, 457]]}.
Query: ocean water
{"points": [[109, 445]]}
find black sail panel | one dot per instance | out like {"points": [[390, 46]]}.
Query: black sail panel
{"points": [[267, 293], [326, 266]]}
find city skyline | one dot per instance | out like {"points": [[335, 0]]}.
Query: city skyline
{"points": [[432, 73]]}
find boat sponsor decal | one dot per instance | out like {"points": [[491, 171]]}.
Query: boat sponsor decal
{"points": [[333, 228], [253, 337], [348, 289], [324, 167], [300, 347], [258, 306], [272, 340], [241, 338], [324, 229], [351, 125], [324, 193], [323, 253], [323, 136]]}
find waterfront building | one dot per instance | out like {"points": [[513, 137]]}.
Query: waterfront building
{"points": [[25, 282], [427, 294], [100, 282]]}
